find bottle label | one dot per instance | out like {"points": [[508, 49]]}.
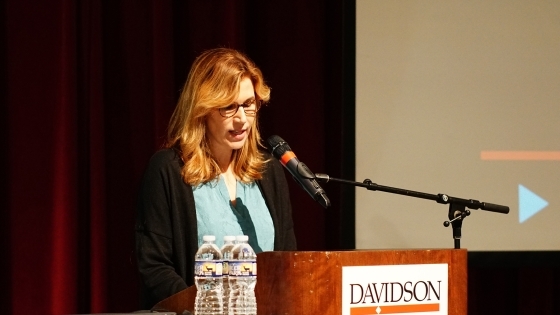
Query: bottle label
{"points": [[244, 268], [225, 268], [208, 268]]}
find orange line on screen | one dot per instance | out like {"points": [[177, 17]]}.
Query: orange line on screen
{"points": [[395, 309], [520, 155]]}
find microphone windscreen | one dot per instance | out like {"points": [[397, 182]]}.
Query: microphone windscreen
{"points": [[277, 146], [274, 141]]}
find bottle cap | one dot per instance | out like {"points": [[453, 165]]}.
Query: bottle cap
{"points": [[209, 238], [242, 238], [229, 238]]}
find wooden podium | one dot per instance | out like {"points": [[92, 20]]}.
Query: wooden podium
{"points": [[310, 282]]}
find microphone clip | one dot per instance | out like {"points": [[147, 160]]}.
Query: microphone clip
{"points": [[457, 212]]}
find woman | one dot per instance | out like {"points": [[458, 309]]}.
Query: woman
{"points": [[212, 178]]}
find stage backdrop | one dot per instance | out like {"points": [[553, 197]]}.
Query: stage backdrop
{"points": [[86, 90]]}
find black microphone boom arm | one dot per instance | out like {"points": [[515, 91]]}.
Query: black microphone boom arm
{"points": [[457, 206]]}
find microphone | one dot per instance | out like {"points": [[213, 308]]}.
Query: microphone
{"points": [[300, 172]]}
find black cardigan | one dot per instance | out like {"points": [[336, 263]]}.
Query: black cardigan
{"points": [[166, 228]]}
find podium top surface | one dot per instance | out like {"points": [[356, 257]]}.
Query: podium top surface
{"points": [[367, 257]]}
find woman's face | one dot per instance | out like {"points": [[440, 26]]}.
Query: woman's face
{"points": [[228, 134]]}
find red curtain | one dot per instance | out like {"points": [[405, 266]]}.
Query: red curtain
{"points": [[87, 90]]}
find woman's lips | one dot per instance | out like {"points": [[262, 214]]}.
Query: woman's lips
{"points": [[238, 134]]}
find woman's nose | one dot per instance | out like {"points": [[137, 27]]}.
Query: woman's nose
{"points": [[241, 114]]}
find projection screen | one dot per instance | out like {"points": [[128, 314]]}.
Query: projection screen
{"points": [[460, 98]]}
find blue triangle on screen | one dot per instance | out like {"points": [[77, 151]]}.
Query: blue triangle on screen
{"points": [[529, 203]]}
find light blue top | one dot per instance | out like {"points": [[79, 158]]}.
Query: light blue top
{"points": [[215, 215]]}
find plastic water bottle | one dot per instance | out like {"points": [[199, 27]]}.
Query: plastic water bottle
{"points": [[242, 279], [229, 243], [208, 278]]}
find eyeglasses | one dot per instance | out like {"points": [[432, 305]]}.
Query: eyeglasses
{"points": [[250, 107]]}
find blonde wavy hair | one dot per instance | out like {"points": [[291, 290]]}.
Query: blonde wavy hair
{"points": [[213, 82]]}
